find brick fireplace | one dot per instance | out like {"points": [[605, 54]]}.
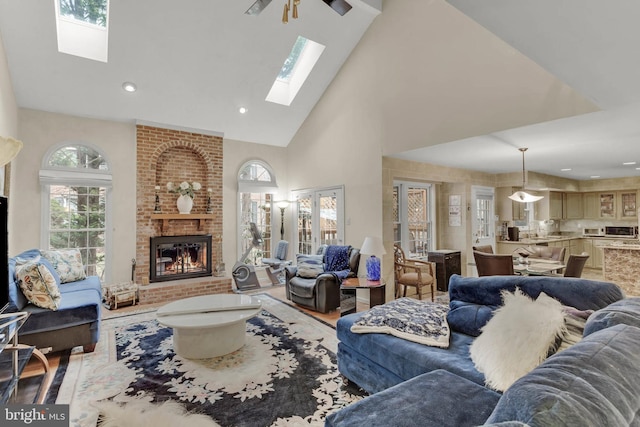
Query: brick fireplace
{"points": [[166, 155]]}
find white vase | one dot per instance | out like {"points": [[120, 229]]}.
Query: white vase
{"points": [[185, 204]]}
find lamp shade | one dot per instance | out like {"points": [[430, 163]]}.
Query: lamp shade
{"points": [[372, 246], [9, 148], [524, 197]]}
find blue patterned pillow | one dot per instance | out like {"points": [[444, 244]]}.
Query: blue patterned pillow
{"points": [[309, 266]]}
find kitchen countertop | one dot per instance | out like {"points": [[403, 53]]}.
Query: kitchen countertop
{"points": [[546, 240]]}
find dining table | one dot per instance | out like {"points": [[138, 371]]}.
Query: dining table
{"points": [[536, 266]]}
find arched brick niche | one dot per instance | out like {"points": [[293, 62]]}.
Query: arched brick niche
{"points": [[165, 155]]}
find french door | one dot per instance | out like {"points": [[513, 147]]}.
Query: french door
{"points": [[484, 225], [319, 219]]}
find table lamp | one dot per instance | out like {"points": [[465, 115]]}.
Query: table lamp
{"points": [[373, 246]]}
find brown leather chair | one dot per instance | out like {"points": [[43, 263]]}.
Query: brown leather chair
{"points": [[411, 272], [575, 264], [493, 264], [484, 248]]}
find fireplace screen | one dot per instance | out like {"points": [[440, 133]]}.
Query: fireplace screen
{"points": [[180, 257]]}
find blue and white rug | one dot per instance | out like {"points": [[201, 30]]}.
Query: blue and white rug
{"points": [[285, 375]]}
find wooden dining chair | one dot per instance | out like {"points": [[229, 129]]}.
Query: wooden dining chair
{"points": [[575, 265], [493, 264], [412, 272]]}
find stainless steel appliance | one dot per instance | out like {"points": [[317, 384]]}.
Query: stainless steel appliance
{"points": [[627, 231], [593, 231]]}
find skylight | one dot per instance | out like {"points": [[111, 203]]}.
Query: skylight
{"points": [[83, 28], [295, 70]]}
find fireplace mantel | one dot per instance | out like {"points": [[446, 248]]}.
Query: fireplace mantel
{"points": [[167, 217]]}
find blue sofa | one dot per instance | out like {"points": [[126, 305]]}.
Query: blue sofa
{"points": [[595, 382], [75, 323]]}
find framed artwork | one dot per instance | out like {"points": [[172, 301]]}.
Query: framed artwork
{"points": [[455, 214]]}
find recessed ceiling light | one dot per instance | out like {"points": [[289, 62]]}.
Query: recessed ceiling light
{"points": [[595, 176], [129, 87], [629, 163], [565, 169], [242, 110]]}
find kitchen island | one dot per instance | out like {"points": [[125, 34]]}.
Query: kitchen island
{"points": [[622, 266]]}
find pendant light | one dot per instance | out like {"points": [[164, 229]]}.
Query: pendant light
{"points": [[522, 196]]}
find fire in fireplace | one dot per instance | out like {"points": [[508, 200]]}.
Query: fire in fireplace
{"points": [[180, 257]]}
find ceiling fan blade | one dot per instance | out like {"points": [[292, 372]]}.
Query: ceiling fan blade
{"points": [[257, 7], [340, 6]]}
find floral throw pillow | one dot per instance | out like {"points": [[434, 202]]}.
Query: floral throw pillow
{"points": [[38, 284], [67, 263]]}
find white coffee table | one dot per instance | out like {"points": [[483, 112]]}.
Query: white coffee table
{"points": [[209, 325]]}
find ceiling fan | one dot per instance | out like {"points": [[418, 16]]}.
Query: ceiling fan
{"points": [[340, 6]]}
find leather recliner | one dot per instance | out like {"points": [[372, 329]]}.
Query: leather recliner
{"points": [[321, 293]]}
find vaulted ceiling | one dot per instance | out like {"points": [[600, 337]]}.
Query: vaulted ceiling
{"points": [[196, 62]]}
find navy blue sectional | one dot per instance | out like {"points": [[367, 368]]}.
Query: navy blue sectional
{"points": [[75, 323], [594, 382]]}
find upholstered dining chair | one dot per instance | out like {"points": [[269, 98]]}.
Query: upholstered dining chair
{"points": [[493, 264], [484, 248], [412, 272], [575, 265]]}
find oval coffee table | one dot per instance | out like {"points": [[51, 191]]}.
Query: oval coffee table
{"points": [[208, 325]]}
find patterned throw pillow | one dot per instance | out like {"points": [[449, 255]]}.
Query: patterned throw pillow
{"points": [[68, 264], [309, 266], [38, 284]]}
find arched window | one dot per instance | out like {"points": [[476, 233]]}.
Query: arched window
{"points": [[256, 190], [76, 185]]}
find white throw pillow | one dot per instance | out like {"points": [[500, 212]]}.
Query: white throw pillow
{"points": [[517, 338]]}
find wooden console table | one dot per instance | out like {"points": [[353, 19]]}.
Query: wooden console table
{"points": [[167, 217]]}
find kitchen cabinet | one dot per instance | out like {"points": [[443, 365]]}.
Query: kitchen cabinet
{"points": [[627, 206], [573, 206], [607, 205], [518, 211], [577, 247], [590, 204], [597, 252], [556, 205]]}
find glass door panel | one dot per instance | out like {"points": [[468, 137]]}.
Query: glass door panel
{"points": [[304, 224]]}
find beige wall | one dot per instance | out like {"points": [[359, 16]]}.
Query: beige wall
{"points": [[40, 131]]}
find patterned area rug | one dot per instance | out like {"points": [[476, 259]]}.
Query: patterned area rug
{"points": [[285, 375]]}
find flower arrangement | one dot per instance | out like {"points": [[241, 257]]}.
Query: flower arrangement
{"points": [[184, 188]]}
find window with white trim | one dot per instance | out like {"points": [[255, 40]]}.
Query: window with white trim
{"points": [[76, 185], [256, 188], [414, 217]]}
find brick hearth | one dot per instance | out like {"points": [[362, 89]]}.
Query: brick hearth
{"points": [[174, 290]]}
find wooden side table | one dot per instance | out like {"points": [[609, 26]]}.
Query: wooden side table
{"points": [[377, 290]]}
